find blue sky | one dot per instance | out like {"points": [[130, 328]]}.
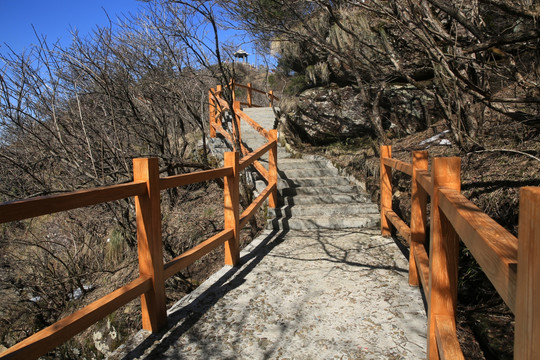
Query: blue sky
{"points": [[55, 19]]}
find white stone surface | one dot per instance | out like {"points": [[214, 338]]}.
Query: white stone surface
{"points": [[320, 294]]}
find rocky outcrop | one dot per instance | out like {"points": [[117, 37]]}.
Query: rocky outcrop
{"points": [[328, 114]]}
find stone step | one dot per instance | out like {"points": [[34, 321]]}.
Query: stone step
{"points": [[308, 173], [304, 182], [293, 164], [320, 190], [318, 222], [322, 211], [358, 198]]}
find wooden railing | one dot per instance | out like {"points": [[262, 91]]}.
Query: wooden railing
{"points": [[149, 285], [219, 107], [514, 270]]}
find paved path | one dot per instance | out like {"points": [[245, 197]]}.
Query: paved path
{"points": [[329, 288], [320, 294]]}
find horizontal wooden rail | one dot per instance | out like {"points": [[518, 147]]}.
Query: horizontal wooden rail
{"points": [[493, 247], [252, 105], [422, 265], [25, 209], [255, 90], [452, 218], [256, 204], [222, 131], [194, 177], [424, 180], [399, 224], [399, 165], [447, 341], [253, 124], [47, 339], [250, 158], [182, 261]]}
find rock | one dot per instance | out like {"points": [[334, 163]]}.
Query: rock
{"points": [[327, 114]]}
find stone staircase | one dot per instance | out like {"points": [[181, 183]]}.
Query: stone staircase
{"points": [[313, 195]]}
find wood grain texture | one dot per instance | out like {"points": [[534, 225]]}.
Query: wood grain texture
{"points": [[212, 112], [237, 126], [422, 265], [527, 328], [249, 94], [149, 245], [47, 339], [272, 168], [253, 124], [399, 165], [28, 208], [400, 225], [424, 180], [194, 177], [385, 189], [418, 213], [231, 208], [493, 247], [255, 205], [443, 250], [255, 155], [447, 341], [189, 257]]}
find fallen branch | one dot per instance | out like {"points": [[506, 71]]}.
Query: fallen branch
{"points": [[505, 150]]}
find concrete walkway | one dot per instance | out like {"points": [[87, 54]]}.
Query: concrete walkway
{"points": [[318, 294]]}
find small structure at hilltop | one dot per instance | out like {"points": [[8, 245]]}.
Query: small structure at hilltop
{"points": [[241, 54]]}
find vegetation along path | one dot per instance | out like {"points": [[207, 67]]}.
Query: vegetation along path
{"points": [[314, 286]]}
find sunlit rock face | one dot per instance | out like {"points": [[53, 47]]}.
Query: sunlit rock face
{"points": [[327, 114]]}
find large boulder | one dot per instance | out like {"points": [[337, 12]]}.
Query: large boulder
{"points": [[327, 114]]}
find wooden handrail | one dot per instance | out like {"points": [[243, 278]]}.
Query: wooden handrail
{"points": [[194, 177], [399, 165], [29, 208], [254, 155], [253, 124], [256, 204], [145, 188], [399, 224], [493, 247], [182, 261], [454, 218], [47, 339]]}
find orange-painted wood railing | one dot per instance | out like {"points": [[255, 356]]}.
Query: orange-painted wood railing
{"points": [[145, 188], [453, 217], [218, 107]]}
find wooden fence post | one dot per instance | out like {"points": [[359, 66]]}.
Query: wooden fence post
{"points": [[217, 106], [148, 211], [271, 95], [527, 328], [272, 168], [236, 124], [212, 112], [418, 213], [231, 210], [385, 189], [443, 251], [249, 95]]}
